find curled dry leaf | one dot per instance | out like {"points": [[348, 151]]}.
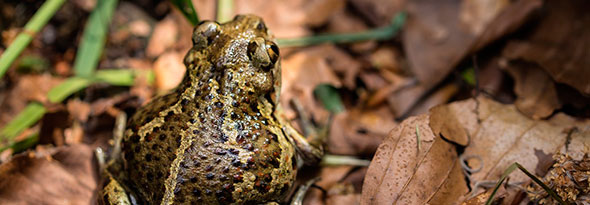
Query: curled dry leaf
{"points": [[497, 135], [436, 39], [500, 135], [63, 176], [560, 48], [301, 73], [537, 95], [359, 132], [407, 172], [329, 177], [438, 97], [28, 88]]}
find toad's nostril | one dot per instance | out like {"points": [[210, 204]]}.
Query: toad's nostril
{"points": [[251, 50]]}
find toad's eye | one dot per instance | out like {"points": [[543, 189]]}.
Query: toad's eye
{"points": [[273, 51], [262, 53], [205, 32]]}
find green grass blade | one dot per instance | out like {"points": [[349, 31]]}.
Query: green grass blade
{"points": [[118, 77], [123, 77], [34, 111], [66, 88], [375, 34], [188, 10], [469, 76], [329, 97], [23, 39], [26, 118], [24, 144], [32, 64], [94, 38], [513, 167]]}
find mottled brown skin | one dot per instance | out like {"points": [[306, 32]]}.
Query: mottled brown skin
{"points": [[215, 139]]}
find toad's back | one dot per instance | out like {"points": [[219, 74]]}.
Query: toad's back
{"points": [[214, 139]]}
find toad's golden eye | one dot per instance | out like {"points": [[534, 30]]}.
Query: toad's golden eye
{"points": [[273, 51], [205, 32]]}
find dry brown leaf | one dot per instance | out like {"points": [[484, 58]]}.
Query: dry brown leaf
{"points": [[436, 39], [440, 96], [499, 136], [378, 12], [345, 21], [359, 132], [476, 14], [407, 172], [578, 131], [344, 199], [342, 185], [402, 100], [283, 26], [559, 43], [320, 11], [387, 57], [505, 136], [164, 36], [53, 125], [78, 109], [450, 122], [66, 176], [493, 80], [329, 176], [301, 73], [342, 63], [537, 95], [28, 88], [130, 28], [480, 199], [168, 70]]}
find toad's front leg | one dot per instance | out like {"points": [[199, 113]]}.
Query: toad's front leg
{"points": [[112, 191]]}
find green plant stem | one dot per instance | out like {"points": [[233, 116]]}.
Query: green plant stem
{"points": [[337, 160], [224, 10], [34, 111], [32, 27], [94, 38], [26, 118], [513, 167], [375, 34]]}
